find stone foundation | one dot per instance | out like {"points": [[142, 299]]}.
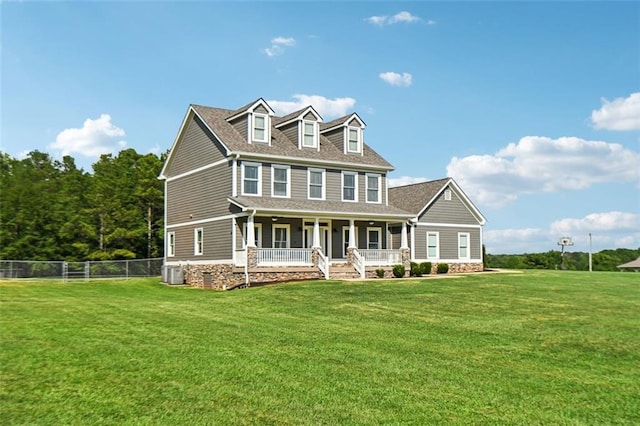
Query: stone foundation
{"points": [[458, 268], [227, 276]]}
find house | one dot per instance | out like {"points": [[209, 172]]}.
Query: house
{"points": [[633, 266], [253, 197]]}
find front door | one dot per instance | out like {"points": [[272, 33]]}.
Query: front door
{"points": [[324, 237], [345, 239]]}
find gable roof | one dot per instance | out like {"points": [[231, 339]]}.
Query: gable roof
{"points": [[418, 197], [250, 107], [341, 121], [282, 148], [296, 115]]}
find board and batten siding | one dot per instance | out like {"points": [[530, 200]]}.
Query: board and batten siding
{"points": [[197, 148], [448, 240], [452, 211], [199, 196], [217, 243]]}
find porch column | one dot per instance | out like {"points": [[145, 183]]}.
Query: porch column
{"points": [[404, 240], [352, 233], [251, 233], [316, 233]]}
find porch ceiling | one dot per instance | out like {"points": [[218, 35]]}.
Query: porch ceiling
{"points": [[319, 208]]}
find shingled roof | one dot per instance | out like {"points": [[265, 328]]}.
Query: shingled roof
{"points": [[281, 146], [413, 198]]}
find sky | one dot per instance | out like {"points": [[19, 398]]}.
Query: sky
{"points": [[532, 107]]}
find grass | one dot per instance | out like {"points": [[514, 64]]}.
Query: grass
{"points": [[531, 348]]}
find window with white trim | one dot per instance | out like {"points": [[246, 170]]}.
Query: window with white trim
{"points": [[373, 188], [463, 245], [349, 186], [281, 236], [197, 241], [353, 139], [259, 131], [280, 178], [171, 244], [257, 229], [309, 134], [432, 245], [316, 184], [251, 182], [447, 194], [374, 240]]}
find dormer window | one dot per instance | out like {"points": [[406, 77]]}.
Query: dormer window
{"points": [[354, 139], [309, 134], [260, 129]]}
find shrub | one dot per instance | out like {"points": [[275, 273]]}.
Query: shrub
{"points": [[443, 268], [398, 271], [425, 268], [380, 273], [415, 270]]}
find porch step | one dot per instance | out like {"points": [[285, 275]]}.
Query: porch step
{"points": [[342, 272]]}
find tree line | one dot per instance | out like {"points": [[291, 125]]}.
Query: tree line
{"points": [[53, 210], [605, 260]]}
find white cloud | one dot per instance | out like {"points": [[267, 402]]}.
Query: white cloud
{"points": [[618, 114], [540, 164], [278, 45], [609, 230], [395, 79], [400, 17], [405, 180], [327, 108], [96, 137]]}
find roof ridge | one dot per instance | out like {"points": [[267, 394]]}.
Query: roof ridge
{"points": [[420, 183]]}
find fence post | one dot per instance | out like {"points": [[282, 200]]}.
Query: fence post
{"points": [[65, 272], [126, 268], [87, 271]]}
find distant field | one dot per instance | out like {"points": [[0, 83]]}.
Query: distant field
{"points": [[541, 347]]}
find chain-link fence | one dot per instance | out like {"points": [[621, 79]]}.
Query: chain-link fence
{"points": [[81, 270]]}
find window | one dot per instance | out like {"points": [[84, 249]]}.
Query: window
{"points": [[309, 134], [373, 238], [257, 229], [463, 245], [260, 128], [280, 236], [373, 188], [447, 194], [197, 243], [280, 177], [251, 179], [171, 244], [349, 186], [353, 139], [316, 184], [432, 245]]}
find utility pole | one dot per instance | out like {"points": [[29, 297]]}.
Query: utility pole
{"points": [[590, 251]]}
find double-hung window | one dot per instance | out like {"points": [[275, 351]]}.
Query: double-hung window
{"points": [[316, 184], [251, 184], [309, 134], [171, 244], [280, 236], [353, 139], [463, 245], [349, 186], [197, 241], [432, 245], [280, 176], [259, 131], [373, 188]]}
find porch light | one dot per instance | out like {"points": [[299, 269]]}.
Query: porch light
{"points": [[371, 222], [274, 218]]}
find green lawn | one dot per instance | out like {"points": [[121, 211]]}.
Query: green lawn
{"points": [[530, 348]]}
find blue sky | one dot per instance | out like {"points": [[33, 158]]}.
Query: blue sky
{"points": [[533, 107]]}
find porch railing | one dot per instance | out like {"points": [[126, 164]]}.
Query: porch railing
{"points": [[283, 256], [381, 256], [323, 264], [358, 263]]}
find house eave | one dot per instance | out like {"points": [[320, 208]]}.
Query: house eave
{"points": [[305, 161]]}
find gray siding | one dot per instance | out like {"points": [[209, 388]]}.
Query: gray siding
{"points": [[291, 132], [448, 240], [216, 239], [242, 126], [199, 196], [334, 185], [299, 182], [197, 148], [354, 123], [336, 137], [309, 116], [452, 211], [261, 109]]}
